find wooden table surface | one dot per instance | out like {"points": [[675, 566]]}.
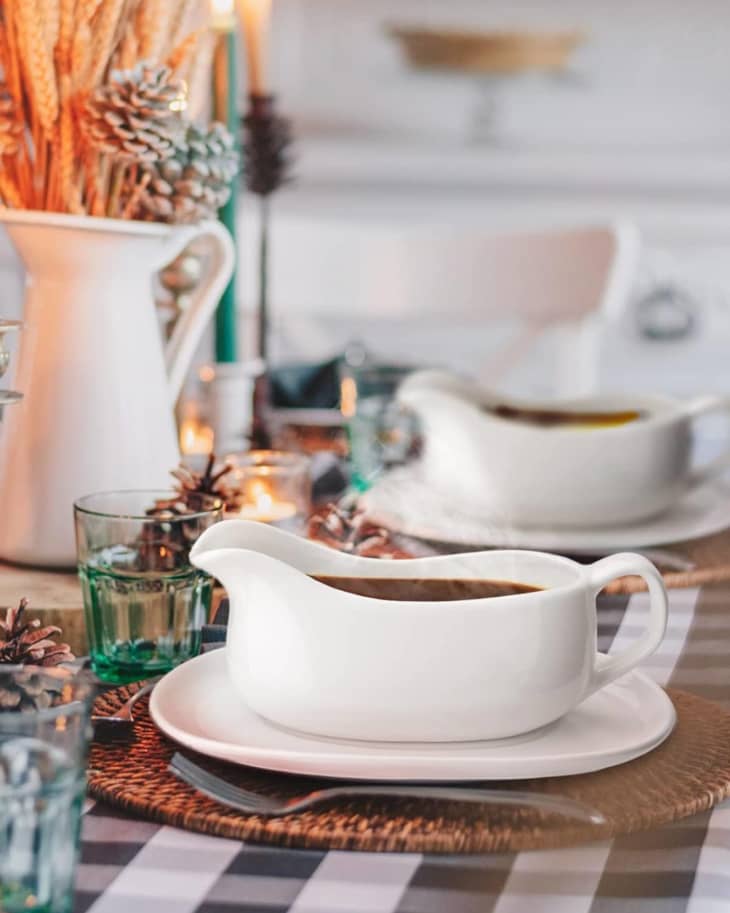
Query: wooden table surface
{"points": [[54, 596]]}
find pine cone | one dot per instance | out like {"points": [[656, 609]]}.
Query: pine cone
{"points": [[136, 116], [11, 130], [191, 484], [267, 140], [196, 181], [26, 642], [349, 530], [163, 544], [31, 689]]}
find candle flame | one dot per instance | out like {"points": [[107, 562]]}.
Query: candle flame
{"points": [[261, 497], [195, 437], [222, 16], [262, 504], [348, 397]]}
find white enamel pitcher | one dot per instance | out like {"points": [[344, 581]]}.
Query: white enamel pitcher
{"points": [[99, 387], [337, 664]]}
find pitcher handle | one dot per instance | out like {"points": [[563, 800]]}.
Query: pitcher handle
{"points": [[193, 320], [608, 668]]}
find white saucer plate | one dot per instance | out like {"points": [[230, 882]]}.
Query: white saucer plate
{"points": [[196, 706], [404, 503]]}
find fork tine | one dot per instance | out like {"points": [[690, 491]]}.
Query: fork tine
{"points": [[188, 767], [212, 792], [212, 784], [206, 791], [201, 776]]}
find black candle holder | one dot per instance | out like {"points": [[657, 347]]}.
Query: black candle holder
{"points": [[267, 141]]}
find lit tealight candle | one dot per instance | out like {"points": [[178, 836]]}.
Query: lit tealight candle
{"points": [[254, 16], [195, 437], [261, 504]]}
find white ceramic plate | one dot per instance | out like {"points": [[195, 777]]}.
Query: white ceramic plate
{"points": [[402, 502], [195, 705]]}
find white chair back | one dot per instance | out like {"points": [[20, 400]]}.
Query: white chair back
{"points": [[565, 281], [543, 277]]}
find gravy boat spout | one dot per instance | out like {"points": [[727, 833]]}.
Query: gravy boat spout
{"points": [[234, 551]]}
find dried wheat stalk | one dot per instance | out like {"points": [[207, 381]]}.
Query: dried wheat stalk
{"points": [[51, 23], [66, 146], [104, 34], [9, 192], [81, 55], [87, 10], [181, 55], [37, 61], [152, 27], [128, 53], [132, 205], [53, 55], [181, 21], [64, 35]]}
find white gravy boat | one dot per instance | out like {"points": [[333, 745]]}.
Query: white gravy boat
{"points": [[526, 475], [313, 658]]}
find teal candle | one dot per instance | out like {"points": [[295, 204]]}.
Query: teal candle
{"points": [[226, 111]]}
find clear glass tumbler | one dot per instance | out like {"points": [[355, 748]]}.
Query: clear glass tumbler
{"points": [[381, 433], [44, 733], [145, 604]]}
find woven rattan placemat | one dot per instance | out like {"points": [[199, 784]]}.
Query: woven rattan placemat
{"points": [[690, 772]]}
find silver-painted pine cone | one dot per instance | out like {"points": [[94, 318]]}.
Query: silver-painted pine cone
{"points": [[196, 180], [135, 117]]}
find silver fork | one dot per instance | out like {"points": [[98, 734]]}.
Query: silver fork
{"points": [[244, 800], [121, 722]]}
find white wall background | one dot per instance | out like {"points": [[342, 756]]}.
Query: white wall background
{"points": [[652, 72], [639, 129]]}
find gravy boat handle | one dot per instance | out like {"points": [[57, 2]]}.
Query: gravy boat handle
{"points": [[608, 668], [707, 405]]}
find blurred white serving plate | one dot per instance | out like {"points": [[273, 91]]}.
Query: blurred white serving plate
{"points": [[403, 502]]}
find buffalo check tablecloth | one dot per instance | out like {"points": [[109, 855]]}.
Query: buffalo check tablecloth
{"points": [[134, 866]]}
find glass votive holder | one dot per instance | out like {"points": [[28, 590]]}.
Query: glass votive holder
{"points": [[273, 486], [382, 434]]}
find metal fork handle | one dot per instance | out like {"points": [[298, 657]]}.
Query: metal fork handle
{"points": [[560, 805], [141, 692], [249, 803]]}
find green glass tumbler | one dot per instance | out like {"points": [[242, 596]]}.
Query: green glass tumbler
{"points": [[145, 604]]}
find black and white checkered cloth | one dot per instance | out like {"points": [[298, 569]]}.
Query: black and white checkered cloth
{"points": [[134, 866]]}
